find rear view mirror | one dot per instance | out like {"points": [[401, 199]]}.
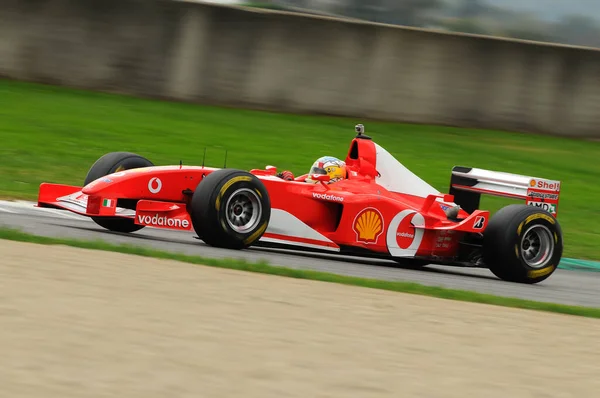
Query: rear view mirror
{"points": [[321, 177]]}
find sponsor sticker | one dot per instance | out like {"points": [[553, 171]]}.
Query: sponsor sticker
{"points": [[542, 195], [545, 185], [479, 222], [444, 239], [403, 237], [368, 225], [405, 234], [154, 185], [549, 207], [544, 200], [327, 197], [163, 221]]}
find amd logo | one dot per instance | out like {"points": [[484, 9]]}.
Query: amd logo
{"points": [[549, 207]]}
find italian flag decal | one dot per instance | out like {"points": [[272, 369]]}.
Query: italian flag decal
{"points": [[107, 203]]}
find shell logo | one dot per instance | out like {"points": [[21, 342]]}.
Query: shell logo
{"points": [[368, 225], [532, 183]]}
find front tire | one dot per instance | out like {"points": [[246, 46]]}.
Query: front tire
{"points": [[230, 209], [111, 163], [522, 244]]}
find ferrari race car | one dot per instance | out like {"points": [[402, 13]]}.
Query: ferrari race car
{"points": [[381, 209]]}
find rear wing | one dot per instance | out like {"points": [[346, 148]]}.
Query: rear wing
{"points": [[467, 184]]}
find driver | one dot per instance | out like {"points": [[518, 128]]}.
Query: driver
{"points": [[332, 166]]}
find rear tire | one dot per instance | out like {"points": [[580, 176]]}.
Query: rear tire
{"points": [[230, 209], [112, 163], [522, 244]]}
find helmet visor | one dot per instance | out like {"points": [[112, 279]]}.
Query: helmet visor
{"points": [[317, 170]]}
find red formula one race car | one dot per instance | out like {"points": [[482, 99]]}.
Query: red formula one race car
{"points": [[381, 209]]}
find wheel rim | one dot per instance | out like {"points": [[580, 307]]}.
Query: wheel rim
{"points": [[243, 210], [537, 246]]}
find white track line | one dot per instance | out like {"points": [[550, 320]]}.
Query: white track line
{"points": [[18, 204], [62, 213], [23, 207]]}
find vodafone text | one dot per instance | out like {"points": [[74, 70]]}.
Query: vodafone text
{"points": [[327, 197], [163, 221]]}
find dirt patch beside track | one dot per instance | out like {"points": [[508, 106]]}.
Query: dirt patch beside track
{"points": [[81, 323]]}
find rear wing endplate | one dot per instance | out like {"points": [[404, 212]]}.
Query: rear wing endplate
{"points": [[467, 184]]}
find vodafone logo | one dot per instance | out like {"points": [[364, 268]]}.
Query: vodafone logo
{"points": [[154, 185], [405, 233], [164, 221]]}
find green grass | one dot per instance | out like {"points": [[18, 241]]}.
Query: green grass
{"points": [[265, 268], [55, 134]]}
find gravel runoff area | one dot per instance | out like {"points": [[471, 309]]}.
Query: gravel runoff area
{"points": [[82, 323]]}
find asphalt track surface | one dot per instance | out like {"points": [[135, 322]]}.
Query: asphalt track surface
{"points": [[564, 286]]}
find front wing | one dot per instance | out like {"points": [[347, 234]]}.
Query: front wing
{"points": [[149, 213], [71, 198]]}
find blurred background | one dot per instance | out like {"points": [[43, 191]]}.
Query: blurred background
{"points": [[209, 52], [574, 22]]}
